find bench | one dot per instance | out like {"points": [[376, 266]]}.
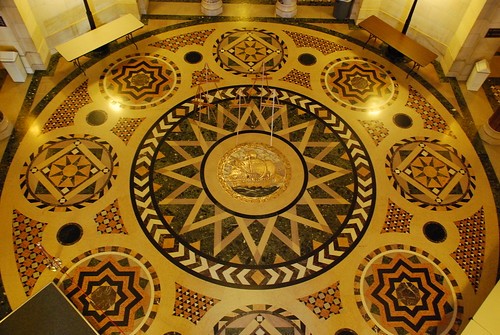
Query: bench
{"points": [[378, 29], [79, 46]]}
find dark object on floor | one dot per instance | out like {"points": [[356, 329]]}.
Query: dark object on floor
{"points": [[307, 59], [48, 312], [435, 232], [70, 233]]}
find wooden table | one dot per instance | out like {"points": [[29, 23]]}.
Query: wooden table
{"points": [[96, 38], [420, 55]]}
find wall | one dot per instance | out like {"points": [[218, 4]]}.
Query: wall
{"points": [[36, 27], [26, 39], [470, 45], [70, 18], [453, 29]]}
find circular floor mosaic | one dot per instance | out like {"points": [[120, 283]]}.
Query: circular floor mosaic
{"points": [[115, 290], [246, 202], [249, 51], [260, 319], [139, 80], [429, 173], [403, 290], [359, 84], [69, 172]]}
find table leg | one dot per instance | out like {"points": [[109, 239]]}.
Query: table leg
{"points": [[129, 37], [76, 62], [415, 67], [369, 38]]}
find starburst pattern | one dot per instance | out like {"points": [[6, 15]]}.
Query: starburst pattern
{"points": [[191, 197]]}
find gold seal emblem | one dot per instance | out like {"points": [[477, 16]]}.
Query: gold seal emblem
{"points": [[254, 172]]}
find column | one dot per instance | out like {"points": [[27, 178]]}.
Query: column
{"points": [[490, 131], [211, 7], [286, 8], [5, 127]]}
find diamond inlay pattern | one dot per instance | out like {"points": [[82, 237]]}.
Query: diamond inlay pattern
{"points": [[470, 251], [109, 220], [260, 320], [432, 119], [307, 41], [26, 233], [397, 220], [249, 51], [125, 127], [206, 75], [376, 129], [430, 173], [325, 302], [69, 172], [179, 41], [299, 78], [65, 114], [191, 305]]}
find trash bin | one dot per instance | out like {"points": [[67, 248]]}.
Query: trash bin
{"points": [[342, 9], [478, 75], [12, 63]]}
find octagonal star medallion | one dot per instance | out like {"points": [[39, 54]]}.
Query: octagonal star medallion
{"points": [[139, 81], [359, 84], [404, 292], [114, 291]]}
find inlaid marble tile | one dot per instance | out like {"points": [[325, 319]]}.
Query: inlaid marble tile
{"points": [[109, 220], [65, 113], [26, 233], [192, 305], [432, 119], [176, 42], [115, 289], [470, 253], [397, 220], [325, 302]]}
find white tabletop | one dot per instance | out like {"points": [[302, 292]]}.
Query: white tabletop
{"points": [[98, 37]]}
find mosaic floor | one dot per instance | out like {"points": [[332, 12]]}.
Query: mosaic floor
{"points": [[250, 178]]}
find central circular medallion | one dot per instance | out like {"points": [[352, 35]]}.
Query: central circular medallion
{"points": [[247, 196], [251, 170], [254, 172]]}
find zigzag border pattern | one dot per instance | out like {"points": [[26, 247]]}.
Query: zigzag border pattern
{"points": [[302, 270]]}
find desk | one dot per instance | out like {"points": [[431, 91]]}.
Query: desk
{"points": [[417, 53], [102, 35]]}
